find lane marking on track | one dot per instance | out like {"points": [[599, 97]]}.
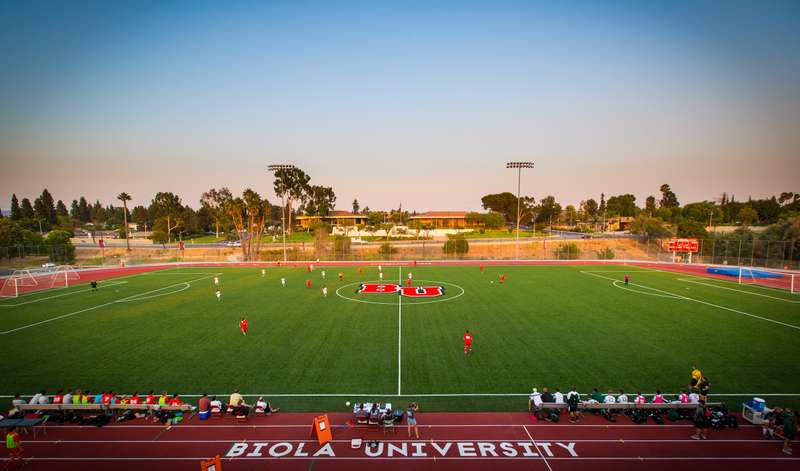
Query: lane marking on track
{"points": [[703, 302], [461, 440], [101, 285], [411, 458], [742, 291], [537, 447], [64, 316]]}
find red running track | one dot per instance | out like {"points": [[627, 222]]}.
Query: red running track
{"points": [[466, 441]]}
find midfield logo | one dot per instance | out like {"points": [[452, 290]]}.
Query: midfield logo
{"points": [[411, 292]]}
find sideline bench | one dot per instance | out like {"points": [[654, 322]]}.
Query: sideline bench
{"points": [[628, 406]]}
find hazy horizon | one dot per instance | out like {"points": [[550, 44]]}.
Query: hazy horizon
{"points": [[416, 104]]}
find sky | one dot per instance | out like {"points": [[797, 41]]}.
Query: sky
{"points": [[418, 104]]}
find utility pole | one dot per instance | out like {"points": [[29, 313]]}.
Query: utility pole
{"points": [[275, 168], [519, 166]]}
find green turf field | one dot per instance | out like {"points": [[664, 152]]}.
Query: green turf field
{"points": [[553, 326]]}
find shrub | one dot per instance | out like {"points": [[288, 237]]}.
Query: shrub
{"points": [[605, 254], [341, 245], [159, 237], [386, 249], [567, 252], [456, 245], [61, 248]]}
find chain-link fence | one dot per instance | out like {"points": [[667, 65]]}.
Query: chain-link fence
{"points": [[757, 253]]}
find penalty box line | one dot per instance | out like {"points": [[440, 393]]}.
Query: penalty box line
{"points": [[681, 297], [64, 316]]}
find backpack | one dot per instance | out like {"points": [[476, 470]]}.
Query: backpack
{"points": [[554, 416]]}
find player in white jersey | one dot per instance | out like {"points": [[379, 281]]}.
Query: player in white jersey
{"points": [[323, 274], [216, 281], [263, 273], [219, 295], [283, 282], [325, 291], [380, 275]]}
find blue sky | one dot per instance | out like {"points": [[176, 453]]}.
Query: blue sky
{"points": [[419, 103]]}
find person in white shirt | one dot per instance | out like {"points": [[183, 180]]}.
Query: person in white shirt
{"points": [[216, 281], [219, 295], [39, 398], [622, 398], [379, 268], [324, 291], [380, 275], [694, 398], [323, 274], [609, 399], [535, 402], [68, 397], [283, 282], [263, 273], [216, 405], [558, 396]]}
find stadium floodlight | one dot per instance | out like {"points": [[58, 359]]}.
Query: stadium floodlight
{"points": [[519, 166], [275, 168]]}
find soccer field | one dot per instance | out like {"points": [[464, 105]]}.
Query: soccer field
{"points": [[554, 326]]}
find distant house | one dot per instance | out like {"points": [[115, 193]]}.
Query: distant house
{"points": [[442, 219], [335, 218]]}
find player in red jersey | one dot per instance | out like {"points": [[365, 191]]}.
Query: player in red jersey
{"points": [[308, 283], [481, 268], [243, 326], [408, 282], [467, 342], [502, 279]]}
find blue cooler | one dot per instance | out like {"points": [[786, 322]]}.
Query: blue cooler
{"points": [[758, 404], [204, 415]]}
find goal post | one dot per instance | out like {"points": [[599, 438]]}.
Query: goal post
{"points": [[770, 278], [18, 281], [63, 276]]}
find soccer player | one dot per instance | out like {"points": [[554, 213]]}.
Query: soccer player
{"points": [[14, 447], [409, 275], [219, 295], [380, 275], [243, 326], [627, 279], [379, 268], [93, 284], [308, 268], [263, 273], [324, 291], [283, 282], [502, 279], [323, 274], [481, 269], [341, 276], [467, 342], [308, 283], [408, 282], [573, 399], [216, 281]]}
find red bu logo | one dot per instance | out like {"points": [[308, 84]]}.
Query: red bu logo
{"points": [[411, 292]]}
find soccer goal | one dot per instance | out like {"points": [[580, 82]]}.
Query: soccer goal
{"points": [[63, 276], [779, 279], [17, 282]]}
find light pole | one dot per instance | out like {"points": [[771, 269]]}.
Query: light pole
{"points": [[275, 168], [519, 166]]}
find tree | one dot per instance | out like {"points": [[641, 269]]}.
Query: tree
{"points": [[668, 198], [166, 208], [548, 208], [291, 184], [650, 205], [74, 211], [456, 244], [375, 218], [61, 209], [784, 197], [355, 206], [61, 248], [622, 205], [85, 211], [589, 209], [320, 200], [650, 227], [10, 233], [506, 204], [26, 210], [213, 200], [692, 228], [602, 209], [40, 214], [48, 206], [249, 215], [747, 216], [139, 216], [124, 197], [16, 212]]}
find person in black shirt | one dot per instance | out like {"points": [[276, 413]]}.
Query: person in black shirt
{"points": [[547, 396]]}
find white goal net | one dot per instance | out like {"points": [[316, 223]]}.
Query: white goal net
{"points": [[18, 281], [63, 276], [770, 278]]}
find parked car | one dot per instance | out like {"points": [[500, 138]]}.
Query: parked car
{"points": [[234, 243]]}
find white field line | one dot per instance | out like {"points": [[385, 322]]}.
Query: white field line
{"points": [[399, 332], [618, 284], [63, 316], [538, 451], [156, 273], [742, 291], [703, 302], [100, 285], [143, 298]]}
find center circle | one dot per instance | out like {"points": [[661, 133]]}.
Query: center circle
{"points": [[338, 293]]}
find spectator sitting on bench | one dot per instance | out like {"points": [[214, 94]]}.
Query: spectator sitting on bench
{"points": [[58, 397], [264, 407], [609, 399], [596, 397], [67, 397], [535, 404], [694, 398], [175, 400], [16, 412], [658, 398], [558, 397], [40, 398], [150, 399], [622, 398], [163, 399], [242, 409], [216, 405], [547, 396], [640, 399], [375, 413], [135, 399], [98, 398], [361, 415], [86, 398], [235, 399]]}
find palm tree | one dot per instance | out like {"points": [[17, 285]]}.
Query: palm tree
{"points": [[124, 197]]}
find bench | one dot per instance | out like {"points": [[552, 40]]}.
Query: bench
{"points": [[628, 406]]}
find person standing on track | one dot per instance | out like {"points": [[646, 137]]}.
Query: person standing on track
{"points": [[573, 400], [411, 418], [702, 420], [14, 447], [243, 326], [467, 342]]}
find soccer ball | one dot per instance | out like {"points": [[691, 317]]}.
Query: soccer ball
{"points": [[347, 403], [492, 282]]}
